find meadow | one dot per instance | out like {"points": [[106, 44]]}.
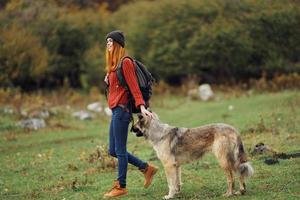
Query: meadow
{"points": [[68, 159]]}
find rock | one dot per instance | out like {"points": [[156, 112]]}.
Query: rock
{"points": [[95, 107], [205, 92], [230, 107], [33, 123], [261, 148], [271, 161], [108, 111], [83, 115]]}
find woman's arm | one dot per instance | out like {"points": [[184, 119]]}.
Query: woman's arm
{"points": [[132, 82]]}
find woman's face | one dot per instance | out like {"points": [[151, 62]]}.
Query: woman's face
{"points": [[109, 44]]}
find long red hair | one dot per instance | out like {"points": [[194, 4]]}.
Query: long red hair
{"points": [[113, 57]]}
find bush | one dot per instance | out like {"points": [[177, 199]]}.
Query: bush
{"points": [[275, 39], [221, 52], [219, 41], [67, 47], [215, 41], [66, 33], [94, 68], [23, 60]]}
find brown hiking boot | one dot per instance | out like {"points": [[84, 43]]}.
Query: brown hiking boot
{"points": [[149, 172], [116, 191]]}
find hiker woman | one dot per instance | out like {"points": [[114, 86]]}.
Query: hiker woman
{"points": [[118, 102]]}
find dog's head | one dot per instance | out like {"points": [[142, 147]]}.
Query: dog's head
{"points": [[140, 128]]}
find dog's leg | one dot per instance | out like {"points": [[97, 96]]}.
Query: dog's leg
{"points": [[242, 186], [178, 180], [226, 160], [230, 183], [170, 170]]}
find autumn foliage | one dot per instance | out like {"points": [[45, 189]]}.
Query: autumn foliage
{"points": [[48, 44]]}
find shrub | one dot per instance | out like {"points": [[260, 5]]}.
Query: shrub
{"points": [[275, 40], [219, 41], [94, 68], [23, 60]]}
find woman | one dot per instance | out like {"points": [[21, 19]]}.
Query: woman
{"points": [[118, 102]]}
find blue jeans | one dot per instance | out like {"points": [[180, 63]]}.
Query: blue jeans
{"points": [[118, 133]]}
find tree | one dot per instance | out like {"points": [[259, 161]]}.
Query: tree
{"points": [[23, 60]]}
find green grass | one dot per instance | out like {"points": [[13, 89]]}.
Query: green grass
{"points": [[52, 163]]}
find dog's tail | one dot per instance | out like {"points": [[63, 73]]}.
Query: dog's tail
{"points": [[245, 169]]}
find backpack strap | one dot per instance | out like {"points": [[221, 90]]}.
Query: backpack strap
{"points": [[120, 72], [124, 84]]}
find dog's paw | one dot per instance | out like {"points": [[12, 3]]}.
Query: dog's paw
{"points": [[241, 192], [228, 194], [178, 190], [168, 197]]}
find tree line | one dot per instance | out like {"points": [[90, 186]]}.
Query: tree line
{"points": [[46, 44]]}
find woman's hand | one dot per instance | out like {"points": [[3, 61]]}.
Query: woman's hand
{"points": [[146, 112]]}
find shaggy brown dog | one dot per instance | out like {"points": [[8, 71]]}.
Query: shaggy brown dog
{"points": [[175, 146]]}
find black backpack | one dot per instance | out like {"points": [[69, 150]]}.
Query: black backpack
{"points": [[145, 81]]}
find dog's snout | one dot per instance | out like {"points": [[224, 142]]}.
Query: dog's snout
{"points": [[134, 129], [137, 131]]}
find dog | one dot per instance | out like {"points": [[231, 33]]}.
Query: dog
{"points": [[175, 146]]}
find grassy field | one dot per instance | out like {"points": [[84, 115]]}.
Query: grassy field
{"points": [[62, 161]]}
